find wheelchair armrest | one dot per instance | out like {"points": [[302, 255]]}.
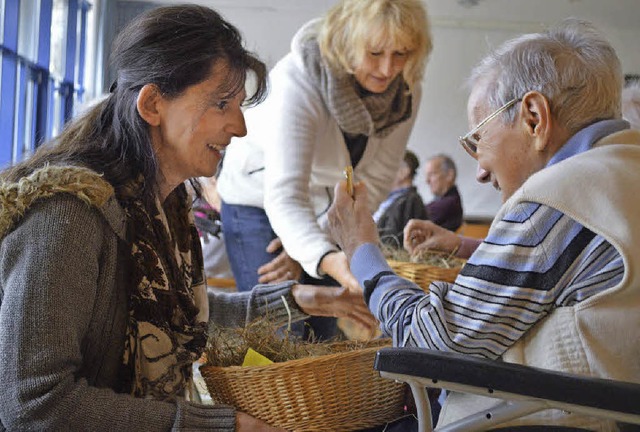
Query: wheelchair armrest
{"points": [[497, 376]]}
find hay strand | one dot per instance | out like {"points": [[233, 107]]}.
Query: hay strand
{"points": [[228, 346]]}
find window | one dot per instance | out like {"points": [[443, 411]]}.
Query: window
{"points": [[58, 38], [28, 29], [42, 46], [1, 39], [1, 21], [9, 69], [57, 63], [81, 48], [0, 73], [23, 134]]}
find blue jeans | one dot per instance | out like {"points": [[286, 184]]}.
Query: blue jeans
{"points": [[247, 233]]}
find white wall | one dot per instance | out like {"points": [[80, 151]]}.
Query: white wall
{"points": [[461, 37]]}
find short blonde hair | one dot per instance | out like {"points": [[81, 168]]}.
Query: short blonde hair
{"points": [[352, 27]]}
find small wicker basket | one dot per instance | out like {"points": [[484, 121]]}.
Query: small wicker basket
{"points": [[333, 392], [423, 274]]}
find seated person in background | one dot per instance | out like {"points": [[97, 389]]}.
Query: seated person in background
{"points": [[446, 208], [631, 104], [555, 284], [403, 203], [444, 214]]}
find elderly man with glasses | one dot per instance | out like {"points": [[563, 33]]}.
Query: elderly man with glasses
{"points": [[556, 283]]}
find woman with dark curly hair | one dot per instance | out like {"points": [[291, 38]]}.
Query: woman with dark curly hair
{"points": [[103, 303]]}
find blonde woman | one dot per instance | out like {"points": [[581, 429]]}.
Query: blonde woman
{"points": [[347, 94]]}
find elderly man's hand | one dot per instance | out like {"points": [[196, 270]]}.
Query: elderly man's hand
{"points": [[420, 235], [350, 221], [339, 302]]}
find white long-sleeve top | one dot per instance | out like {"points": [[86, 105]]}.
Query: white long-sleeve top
{"points": [[295, 153]]}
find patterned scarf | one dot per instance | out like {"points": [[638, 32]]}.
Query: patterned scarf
{"points": [[168, 307], [357, 112]]}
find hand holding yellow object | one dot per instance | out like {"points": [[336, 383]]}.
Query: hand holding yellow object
{"points": [[348, 173]]}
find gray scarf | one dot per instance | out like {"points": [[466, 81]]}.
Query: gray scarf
{"points": [[369, 114]]}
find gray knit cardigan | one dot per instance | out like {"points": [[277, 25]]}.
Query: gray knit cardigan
{"points": [[63, 313]]}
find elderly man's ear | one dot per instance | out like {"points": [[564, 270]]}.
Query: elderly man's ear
{"points": [[536, 119]]}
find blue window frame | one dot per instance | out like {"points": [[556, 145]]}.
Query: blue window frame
{"points": [[9, 78], [41, 71]]}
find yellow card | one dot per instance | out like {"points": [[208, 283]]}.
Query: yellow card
{"points": [[254, 358]]}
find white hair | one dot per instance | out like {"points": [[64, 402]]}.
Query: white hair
{"points": [[572, 65], [631, 104]]}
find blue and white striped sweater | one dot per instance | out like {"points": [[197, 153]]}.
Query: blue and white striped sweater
{"points": [[534, 259]]}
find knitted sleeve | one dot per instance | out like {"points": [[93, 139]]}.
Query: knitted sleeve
{"points": [[238, 309], [52, 302]]}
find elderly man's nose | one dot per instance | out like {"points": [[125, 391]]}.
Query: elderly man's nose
{"points": [[482, 175]]}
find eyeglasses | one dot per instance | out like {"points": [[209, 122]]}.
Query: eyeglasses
{"points": [[470, 141]]}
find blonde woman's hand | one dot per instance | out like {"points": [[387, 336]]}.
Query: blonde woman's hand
{"points": [[246, 423], [339, 302], [336, 265], [281, 268]]}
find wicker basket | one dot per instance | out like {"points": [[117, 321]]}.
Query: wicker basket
{"points": [[333, 392], [423, 274]]}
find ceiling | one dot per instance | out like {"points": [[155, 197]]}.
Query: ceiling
{"points": [[618, 13]]}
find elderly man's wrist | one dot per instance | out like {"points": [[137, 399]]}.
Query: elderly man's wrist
{"points": [[351, 248], [467, 247]]}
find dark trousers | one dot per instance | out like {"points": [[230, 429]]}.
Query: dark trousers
{"points": [[247, 233]]}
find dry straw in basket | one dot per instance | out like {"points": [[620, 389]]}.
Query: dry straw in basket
{"points": [[424, 268], [331, 387]]}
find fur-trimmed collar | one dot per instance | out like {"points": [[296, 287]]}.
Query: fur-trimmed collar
{"points": [[89, 186]]}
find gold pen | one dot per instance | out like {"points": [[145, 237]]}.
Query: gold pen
{"points": [[348, 173]]}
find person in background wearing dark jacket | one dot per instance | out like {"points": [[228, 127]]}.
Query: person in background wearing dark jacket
{"points": [[446, 209], [403, 203]]}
